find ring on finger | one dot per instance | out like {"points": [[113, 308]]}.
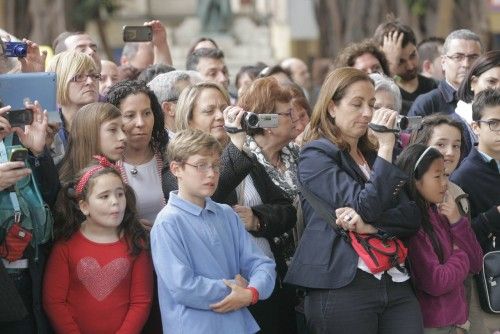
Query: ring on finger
{"points": [[347, 218]]}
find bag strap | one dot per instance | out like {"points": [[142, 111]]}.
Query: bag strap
{"points": [[322, 209], [12, 193]]}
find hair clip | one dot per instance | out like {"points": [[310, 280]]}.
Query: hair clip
{"points": [[70, 192]]}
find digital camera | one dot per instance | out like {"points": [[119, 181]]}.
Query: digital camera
{"points": [[252, 120], [408, 123], [15, 49]]}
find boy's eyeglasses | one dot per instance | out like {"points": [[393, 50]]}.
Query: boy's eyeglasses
{"points": [[83, 77], [205, 168], [493, 124]]}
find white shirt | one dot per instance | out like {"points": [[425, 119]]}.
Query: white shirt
{"points": [[248, 196], [147, 186]]}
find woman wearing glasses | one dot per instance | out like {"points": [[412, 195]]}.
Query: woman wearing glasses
{"points": [[77, 85], [245, 183]]}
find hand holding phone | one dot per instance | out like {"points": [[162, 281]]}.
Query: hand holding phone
{"points": [[18, 154], [19, 118], [33, 135], [137, 33], [10, 173]]}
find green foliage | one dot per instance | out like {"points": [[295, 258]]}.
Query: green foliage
{"points": [[417, 7], [88, 10]]}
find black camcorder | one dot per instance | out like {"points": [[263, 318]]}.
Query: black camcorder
{"points": [[403, 123], [15, 49]]}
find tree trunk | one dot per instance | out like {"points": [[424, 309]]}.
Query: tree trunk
{"points": [[48, 20], [18, 21], [101, 25]]}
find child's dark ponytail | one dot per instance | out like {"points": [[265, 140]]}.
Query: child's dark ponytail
{"points": [[137, 236], [68, 216], [415, 160]]}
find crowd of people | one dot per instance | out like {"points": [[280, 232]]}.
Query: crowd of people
{"points": [[172, 203]]}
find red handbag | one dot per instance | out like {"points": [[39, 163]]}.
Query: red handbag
{"points": [[378, 254], [16, 241]]}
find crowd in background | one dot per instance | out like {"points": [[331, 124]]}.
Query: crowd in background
{"points": [[178, 204]]}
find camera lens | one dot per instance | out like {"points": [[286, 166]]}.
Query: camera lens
{"points": [[252, 120], [403, 123], [20, 50]]}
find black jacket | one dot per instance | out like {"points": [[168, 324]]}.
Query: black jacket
{"points": [[481, 181]]}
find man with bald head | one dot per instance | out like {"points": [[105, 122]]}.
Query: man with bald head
{"points": [[77, 41], [167, 88], [109, 76], [299, 72]]}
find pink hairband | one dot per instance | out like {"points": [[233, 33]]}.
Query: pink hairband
{"points": [[103, 163]]}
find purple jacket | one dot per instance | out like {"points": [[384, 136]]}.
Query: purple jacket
{"points": [[440, 286]]}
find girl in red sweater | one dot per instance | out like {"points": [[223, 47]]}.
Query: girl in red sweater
{"points": [[99, 276]]}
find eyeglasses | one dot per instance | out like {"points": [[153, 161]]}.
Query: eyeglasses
{"points": [[493, 124], [289, 114], [205, 168], [459, 57], [83, 77]]}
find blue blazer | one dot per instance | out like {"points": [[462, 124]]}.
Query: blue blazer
{"points": [[323, 260]]}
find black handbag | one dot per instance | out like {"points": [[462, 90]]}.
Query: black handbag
{"points": [[488, 282]]}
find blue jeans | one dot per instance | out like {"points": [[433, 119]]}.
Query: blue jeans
{"points": [[366, 305]]}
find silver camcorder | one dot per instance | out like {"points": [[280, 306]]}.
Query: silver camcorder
{"points": [[252, 120]]}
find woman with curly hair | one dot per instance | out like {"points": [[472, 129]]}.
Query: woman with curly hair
{"points": [[146, 141]]}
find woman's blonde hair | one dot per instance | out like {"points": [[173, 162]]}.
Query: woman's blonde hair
{"points": [[334, 88], [189, 98], [84, 139], [66, 65]]}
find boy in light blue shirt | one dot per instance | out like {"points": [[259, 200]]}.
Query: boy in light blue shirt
{"points": [[209, 270]]}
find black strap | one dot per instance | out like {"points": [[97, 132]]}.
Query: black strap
{"points": [[230, 129], [322, 209], [381, 128]]}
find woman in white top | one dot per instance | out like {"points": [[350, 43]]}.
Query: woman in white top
{"points": [[146, 141]]}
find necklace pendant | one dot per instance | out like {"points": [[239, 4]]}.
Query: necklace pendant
{"points": [[134, 171]]}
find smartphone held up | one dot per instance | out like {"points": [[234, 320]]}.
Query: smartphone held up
{"points": [[137, 33], [19, 118]]}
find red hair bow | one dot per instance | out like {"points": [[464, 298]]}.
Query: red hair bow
{"points": [[103, 163]]}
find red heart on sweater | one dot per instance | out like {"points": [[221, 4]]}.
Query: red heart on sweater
{"points": [[101, 281]]}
